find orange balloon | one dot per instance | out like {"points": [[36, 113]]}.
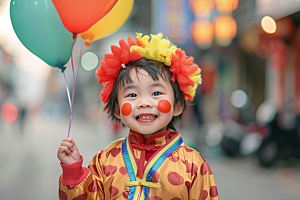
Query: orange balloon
{"points": [[110, 23], [79, 15]]}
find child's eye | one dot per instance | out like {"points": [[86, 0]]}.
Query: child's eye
{"points": [[156, 93], [132, 95]]}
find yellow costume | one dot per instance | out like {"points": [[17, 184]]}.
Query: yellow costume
{"points": [[170, 171]]}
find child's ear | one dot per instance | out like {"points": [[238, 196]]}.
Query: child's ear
{"points": [[178, 109], [117, 111]]}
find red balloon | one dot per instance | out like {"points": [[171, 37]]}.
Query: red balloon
{"points": [[79, 15]]}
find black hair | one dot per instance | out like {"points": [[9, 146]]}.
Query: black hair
{"points": [[156, 70]]}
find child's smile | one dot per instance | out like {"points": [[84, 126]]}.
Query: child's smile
{"points": [[146, 117], [140, 103]]}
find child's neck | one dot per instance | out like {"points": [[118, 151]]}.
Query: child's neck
{"points": [[146, 136]]}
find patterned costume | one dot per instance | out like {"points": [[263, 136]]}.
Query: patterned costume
{"points": [[161, 167]]}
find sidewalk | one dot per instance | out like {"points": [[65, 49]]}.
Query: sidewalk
{"points": [[30, 168]]}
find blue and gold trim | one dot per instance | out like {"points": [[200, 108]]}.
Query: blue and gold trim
{"points": [[131, 168], [140, 188]]}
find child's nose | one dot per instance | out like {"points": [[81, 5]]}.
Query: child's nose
{"points": [[145, 104]]}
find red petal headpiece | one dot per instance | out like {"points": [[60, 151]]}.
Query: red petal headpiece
{"points": [[184, 70], [111, 65]]}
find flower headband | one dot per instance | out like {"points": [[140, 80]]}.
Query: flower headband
{"points": [[184, 70]]}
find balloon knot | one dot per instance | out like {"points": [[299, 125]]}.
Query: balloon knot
{"points": [[87, 42], [74, 36], [63, 68]]}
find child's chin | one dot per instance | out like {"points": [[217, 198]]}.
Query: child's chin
{"points": [[146, 131], [143, 132]]}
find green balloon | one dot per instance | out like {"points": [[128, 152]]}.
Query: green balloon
{"points": [[40, 30]]}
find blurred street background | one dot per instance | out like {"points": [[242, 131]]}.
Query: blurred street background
{"points": [[244, 120]]}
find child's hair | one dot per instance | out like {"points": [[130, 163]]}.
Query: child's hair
{"points": [[156, 70]]}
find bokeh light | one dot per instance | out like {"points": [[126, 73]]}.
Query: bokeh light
{"points": [[265, 112], [202, 32], [239, 98], [268, 24], [225, 27], [215, 132], [9, 112], [227, 5], [89, 61], [250, 143], [7, 58], [201, 7]]}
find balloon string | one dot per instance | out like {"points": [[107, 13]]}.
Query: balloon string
{"points": [[74, 38], [68, 92], [74, 87]]}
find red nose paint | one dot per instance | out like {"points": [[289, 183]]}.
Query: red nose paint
{"points": [[164, 106], [126, 109]]}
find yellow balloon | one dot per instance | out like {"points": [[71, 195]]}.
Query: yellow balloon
{"points": [[109, 23]]}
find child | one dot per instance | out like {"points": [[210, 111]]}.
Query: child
{"points": [[146, 85]]}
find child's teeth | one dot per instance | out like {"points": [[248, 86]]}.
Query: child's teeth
{"points": [[146, 117]]}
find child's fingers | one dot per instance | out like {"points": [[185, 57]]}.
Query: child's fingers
{"points": [[66, 140], [63, 149], [67, 144], [73, 143]]}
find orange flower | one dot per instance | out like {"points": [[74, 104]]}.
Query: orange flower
{"points": [[112, 64], [182, 69]]}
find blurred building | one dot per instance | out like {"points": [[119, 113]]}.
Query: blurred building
{"points": [[272, 60], [235, 53]]}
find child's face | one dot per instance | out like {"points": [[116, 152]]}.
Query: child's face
{"points": [[145, 105]]}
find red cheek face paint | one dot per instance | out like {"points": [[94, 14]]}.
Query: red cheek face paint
{"points": [[164, 106], [126, 109]]}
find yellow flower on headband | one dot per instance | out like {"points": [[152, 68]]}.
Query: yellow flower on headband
{"points": [[183, 70], [197, 79], [158, 48]]}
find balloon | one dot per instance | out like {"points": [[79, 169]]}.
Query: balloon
{"points": [[80, 15], [110, 23], [39, 28]]}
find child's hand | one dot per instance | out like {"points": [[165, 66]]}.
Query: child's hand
{"points": [[68, 152]]}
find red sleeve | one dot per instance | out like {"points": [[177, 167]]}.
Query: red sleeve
{"points": [[73, 174]]}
